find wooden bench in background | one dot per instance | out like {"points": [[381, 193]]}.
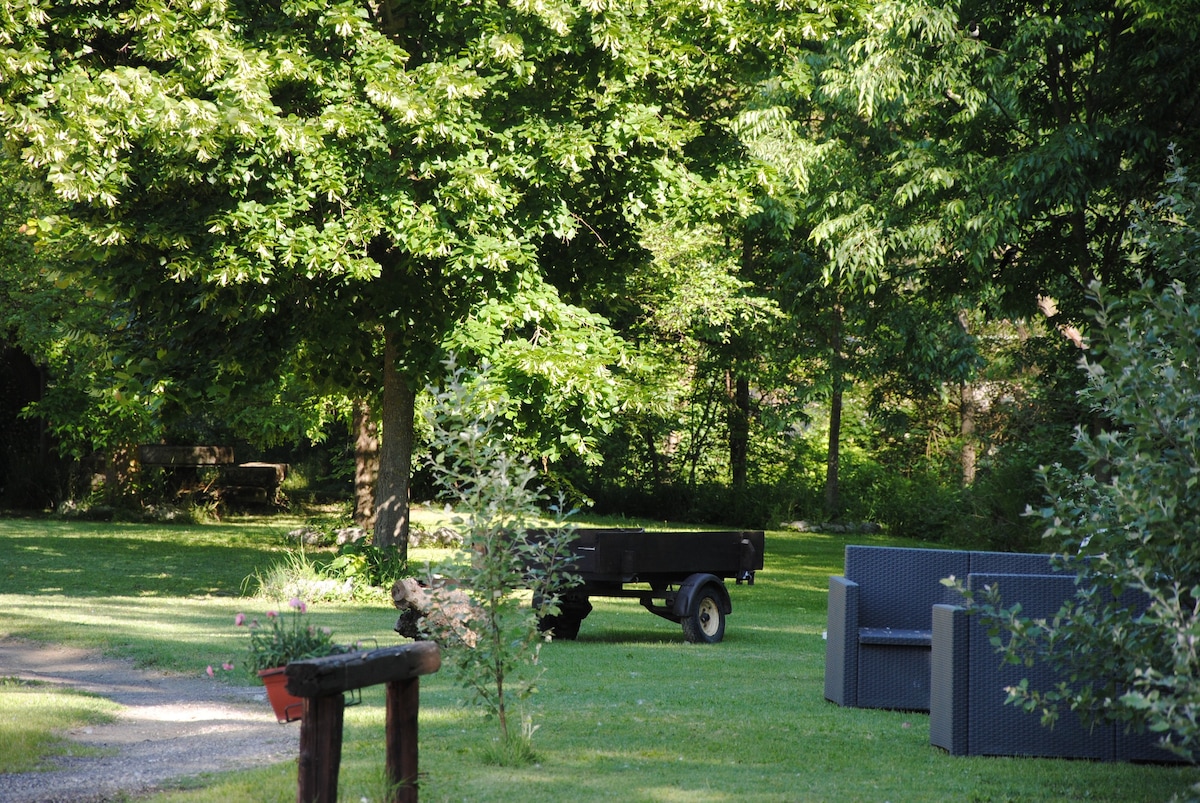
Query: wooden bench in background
{"points": [[243, 482]]}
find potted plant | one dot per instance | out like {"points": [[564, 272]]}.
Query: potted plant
{"points": [[285, 638]]}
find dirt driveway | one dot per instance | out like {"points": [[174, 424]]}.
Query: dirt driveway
{"points": [[171, 727]]}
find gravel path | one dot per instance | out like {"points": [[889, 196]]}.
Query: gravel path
{"points": [[171, 727]]}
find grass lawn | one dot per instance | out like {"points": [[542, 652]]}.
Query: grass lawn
{"points": [[628, 712], [33, 714]]}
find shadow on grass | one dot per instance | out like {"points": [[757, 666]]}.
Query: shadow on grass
{"points": [[83, 559], [91, 566]]}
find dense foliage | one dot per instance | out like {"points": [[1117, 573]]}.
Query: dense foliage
{"points": [[1129, 521], [738, 261]]}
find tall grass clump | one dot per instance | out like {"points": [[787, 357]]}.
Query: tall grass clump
{"points": [[297, 575]]}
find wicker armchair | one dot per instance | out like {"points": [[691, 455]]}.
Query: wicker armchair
{"points": [[880, 623], [968, 713], [879, 628]]}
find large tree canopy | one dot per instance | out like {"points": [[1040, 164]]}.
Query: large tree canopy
{"points": [[336, 185], [977, 160], [994, 144]]}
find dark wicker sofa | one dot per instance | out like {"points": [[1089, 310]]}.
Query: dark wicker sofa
{"points": [[880, 625]]}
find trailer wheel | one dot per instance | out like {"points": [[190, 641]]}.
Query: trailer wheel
{"points": [[704, 623], [565, 624]]}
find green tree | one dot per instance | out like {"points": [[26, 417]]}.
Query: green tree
{"points": [[983, 159], [1129, 520], [498, 506], [331, 185], [699, 307], [1008, 142], [90, 402], [860, 308]]}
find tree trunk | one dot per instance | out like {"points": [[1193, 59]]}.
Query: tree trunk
{"points": [[366, 464], [968, 408], [967, 411], [738, 387], [739, 430], [832, 502], [833, 456], [118, 473], [395, 453]]}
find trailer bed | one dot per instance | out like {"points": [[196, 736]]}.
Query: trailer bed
{"points": [[679, 576]]}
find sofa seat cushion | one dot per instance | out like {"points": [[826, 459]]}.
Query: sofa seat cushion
{"points": [[895, 637]]}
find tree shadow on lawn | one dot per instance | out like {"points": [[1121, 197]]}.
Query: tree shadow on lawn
{"points": [[120, 565], [655, 635]]}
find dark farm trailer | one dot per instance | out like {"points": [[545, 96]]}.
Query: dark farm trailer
{"points": [[679, 576]]}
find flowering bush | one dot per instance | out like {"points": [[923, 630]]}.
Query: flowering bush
{"points": [[287, 637]]}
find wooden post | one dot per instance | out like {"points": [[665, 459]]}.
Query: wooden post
{"points": [[321, 682], [320, 749], [403, 702]]}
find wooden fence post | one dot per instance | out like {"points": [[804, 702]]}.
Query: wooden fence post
{"points": [[403, 702], [320, 748], [322, 681]]}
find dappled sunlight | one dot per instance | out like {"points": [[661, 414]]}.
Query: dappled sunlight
{"points": [[50, 552], [772, 583], [201, 628], [629, 711], [110, 563], [220, 717], [676, 795], [795, 629], [447, 715]]}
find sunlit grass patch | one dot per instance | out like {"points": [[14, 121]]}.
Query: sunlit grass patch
{"points": [[627, 712], [33, 717], [274, 784]]}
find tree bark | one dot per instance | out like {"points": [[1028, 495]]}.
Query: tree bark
{"points": [[738, 387], [968, 408], [833, 453], [395, 453], [366, 464], [967, 411], [118, 473], [739, 430], [832, 459]]}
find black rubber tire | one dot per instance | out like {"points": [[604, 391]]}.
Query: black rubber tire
{"points": [[704, 623], [565, 624], [561, 627]]}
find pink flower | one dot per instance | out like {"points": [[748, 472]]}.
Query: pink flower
{"points": [[239, 620], [209, 671], [272, 614], [298, 603], [228, 667]]}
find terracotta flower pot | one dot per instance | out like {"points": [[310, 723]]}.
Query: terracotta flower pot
{"points": [[287, 707]]}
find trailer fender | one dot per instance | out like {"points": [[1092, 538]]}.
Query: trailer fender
{"points": [[691, 586]]}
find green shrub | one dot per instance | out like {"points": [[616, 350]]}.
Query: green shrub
{"points": [[1133, 511], [498, 510], [367, 566], [297, 575]]}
